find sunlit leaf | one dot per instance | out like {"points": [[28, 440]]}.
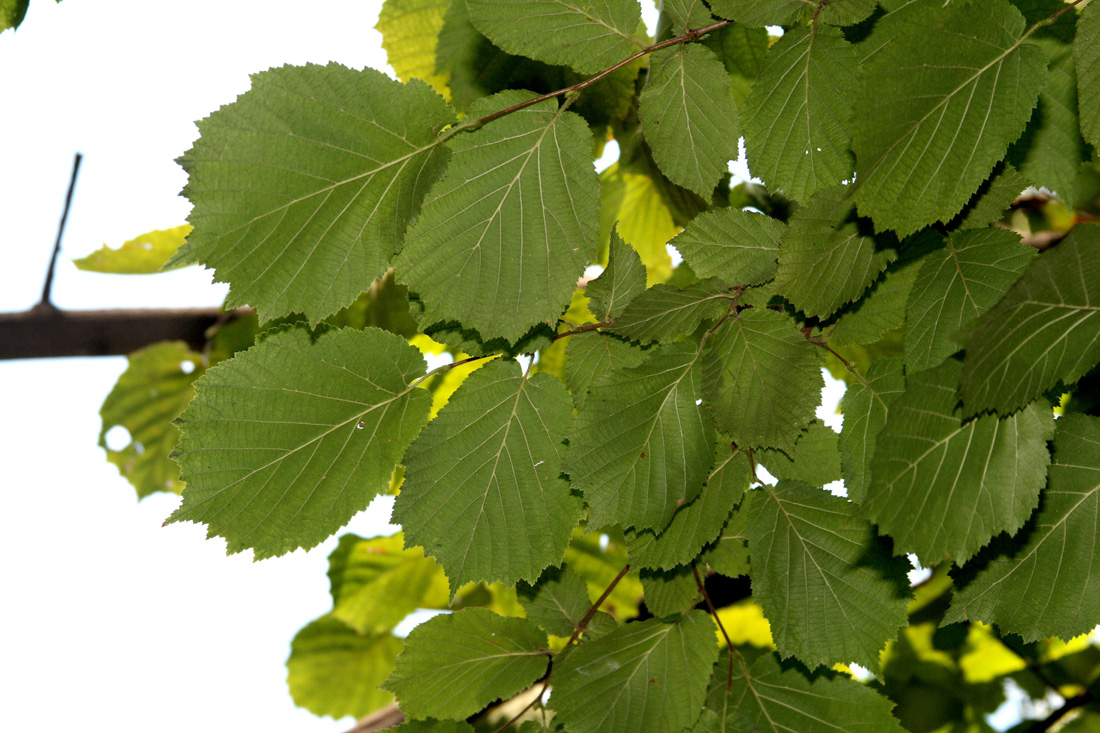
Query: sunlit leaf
{"points": [[142, 255]]}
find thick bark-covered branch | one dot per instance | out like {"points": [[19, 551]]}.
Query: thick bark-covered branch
{"points": [[47, 332]]}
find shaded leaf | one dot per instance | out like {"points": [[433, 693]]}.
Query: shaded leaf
{"points": [[956, 284], [557, 602], [846, 12], [815, 459], [455, 664], [1044, 585], [741, 50], [670, 592], [1045, 330], [866, 405], [1086, 55], [513, 221], [762, 379], [925, 142], [881, 308], [665, 311], [763, 12], [689, 117], [942, 487], [284, 442], [619, 283], [641, 444], [685, 14], [739, 247], [828, 590], [729, 555], [588, 35], [593, 355], [648, 676], [482, 492], [798, 114], [335, 670], [303, 187], [994, 197]]}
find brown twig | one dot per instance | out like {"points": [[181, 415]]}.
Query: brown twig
{"points": [[528, 706], [596, 606], [583, 329], [714, 613], [45, 301]]}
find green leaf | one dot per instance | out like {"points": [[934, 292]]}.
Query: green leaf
{"points": [[285, 442], [763, 12], [762, 379], [619, 283], [698, 522], [829, 257], [335, 670], [599, 563], [942, 487], [994, 198], [434, 726], [641, 444], [773, 697], [632, 202], [455, 664], [303, 187], [815, 459], [881, 309], [593, 355], [1044, 331], [153, 391], [410, 34], [798, 114], [665, 312], [588, 35], [1086, 55], [12, 13], [143, 255], [925, 142], [376, 584], [558, 602], [741, 50], [956, 284], [482, 492], [670, 592], [729, 555], [866, 405], [685, 15], [1044, 585], [513, 221], [649, 676], [739, 247], [1051, 149], [827, 588], [846, 12], [689, 117]]}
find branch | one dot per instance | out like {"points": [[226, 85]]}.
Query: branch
{"points": [[691, 35], [46, 332], [45, 301], [596, 606], [1049, 721], [714, 614]]}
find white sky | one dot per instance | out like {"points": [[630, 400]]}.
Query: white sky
{"points": [[107, 617]]}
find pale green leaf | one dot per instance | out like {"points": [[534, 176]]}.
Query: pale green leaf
{"points": [[649, 676], [866, 405], [956, 284], [302, 188], [153, 391], [12, 13], [762, 379], [482, 492], [815, 459], [925, 141], [599, 563], [593, 355], [335, 670], [798, 114], [828, 257], [943, 487], [827, 588], [513, 222], [632, 202], [558, 602], [641, 444], [698, 522], [376, 584], [763, 12], [143, 255], [619, 283], [739, 247], [1045, 585], [772, 697], [1051, 150], [994, 198], [670, 592], [410, 35], [587, 35], [285, 442], [1044, 331], [1086, 55], [455, 664], [689, 117], [665, 312]]}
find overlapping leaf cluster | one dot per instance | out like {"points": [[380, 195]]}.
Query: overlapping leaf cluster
{"points": [[892, 138]]}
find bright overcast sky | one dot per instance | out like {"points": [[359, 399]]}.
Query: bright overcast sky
{"points": [[110, 619]]}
